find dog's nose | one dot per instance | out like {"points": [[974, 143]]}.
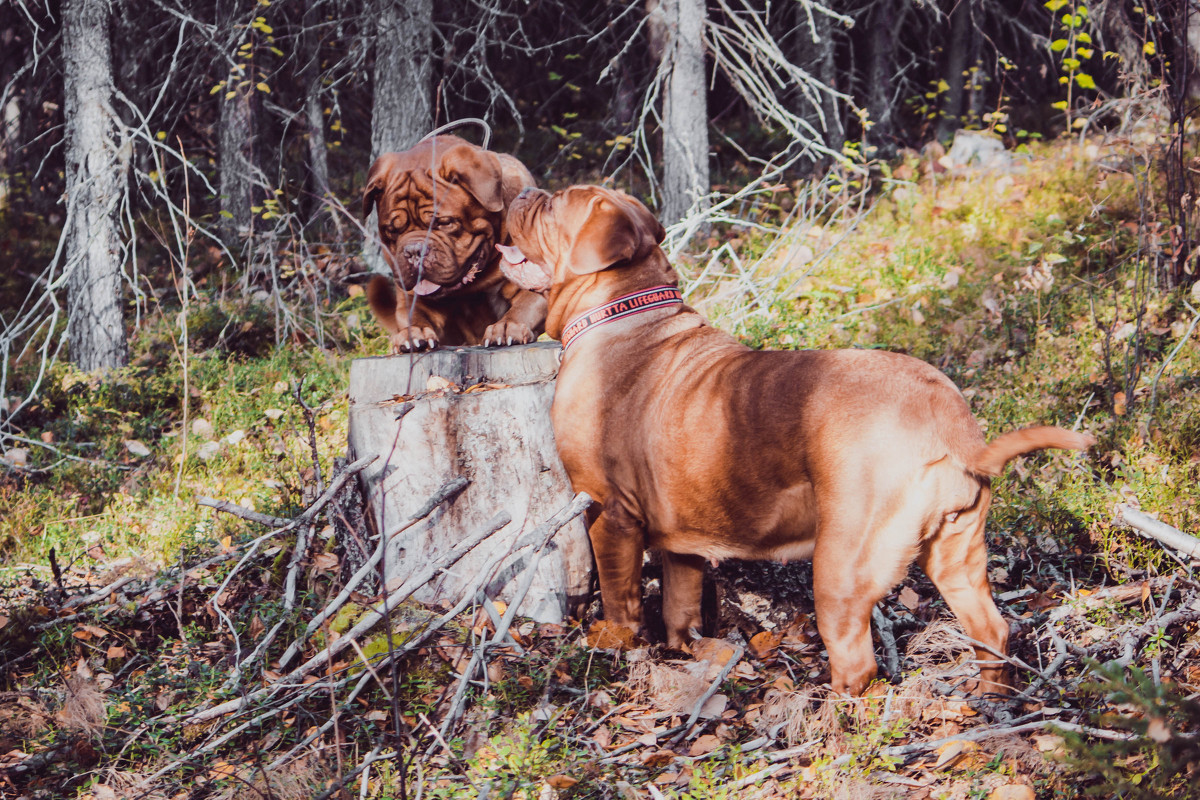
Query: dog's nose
{"points": [[415, 250]]}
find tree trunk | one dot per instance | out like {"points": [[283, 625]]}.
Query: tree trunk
{"points": [[817, 59], [499, 438], [884, 27], [10, 113], [401, 112], [1127, 41], [318, 162], [956, 64], [1190, 24], [685, 110], [95, 178], [236, 161], [314, 110]]}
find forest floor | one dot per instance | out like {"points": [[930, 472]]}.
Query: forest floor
{"points": [[125, 605]]}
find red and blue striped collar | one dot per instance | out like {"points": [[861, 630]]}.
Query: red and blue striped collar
{"points": [[628, 305]]}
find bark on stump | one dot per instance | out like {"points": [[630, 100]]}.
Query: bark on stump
{"points": [[498, 436]]}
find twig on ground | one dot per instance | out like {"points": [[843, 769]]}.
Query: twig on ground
{"points": [[100, 594], [309, 514], [1050, 671], [1147, 525], [704, 698], [299, 551], [976, 734], [541, 536], [408, 646], [370, 759], [411, 585], [1012, 660], [242, 512], [761, 775], [365, 623], [613, 756], [1167, 361], [311, 421]]}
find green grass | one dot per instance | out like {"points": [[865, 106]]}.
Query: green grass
{"points": [[245, 440]]}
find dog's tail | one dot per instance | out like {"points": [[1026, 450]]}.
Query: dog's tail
{"points": [[992, 459], [381, 297]]}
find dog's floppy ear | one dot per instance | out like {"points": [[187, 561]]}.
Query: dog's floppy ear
{"points": [[370, 195], [376, 180], [477, 171], [614, 229]]}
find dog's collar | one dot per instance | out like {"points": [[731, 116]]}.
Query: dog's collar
{"points": [[626, 306]]}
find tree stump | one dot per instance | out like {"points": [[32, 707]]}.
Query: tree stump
{"points": [[483, 414]]}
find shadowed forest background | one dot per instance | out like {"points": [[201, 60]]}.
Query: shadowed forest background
{"points": [[1007, 190]]}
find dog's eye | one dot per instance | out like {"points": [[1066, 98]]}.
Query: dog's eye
{"points": [[446, 223]]}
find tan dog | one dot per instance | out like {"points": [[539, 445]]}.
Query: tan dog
{"points": [[698, 446], [442, 207]]}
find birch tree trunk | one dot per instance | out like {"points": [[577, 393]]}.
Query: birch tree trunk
{"points": [[685, 110], [401, 112], [96, 162], [10, 113]]}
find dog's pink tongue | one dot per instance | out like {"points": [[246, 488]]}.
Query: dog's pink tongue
{"points": [[425, 286], [512, 254]]}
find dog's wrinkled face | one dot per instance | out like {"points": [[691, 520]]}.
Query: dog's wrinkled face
{"points": [[439, 215], [578, 231]]}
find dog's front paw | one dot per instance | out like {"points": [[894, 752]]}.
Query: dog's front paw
{"points": [[410, 340], [506, 332]]}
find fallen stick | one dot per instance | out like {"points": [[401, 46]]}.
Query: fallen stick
{"points": [[146, 783], [368, 621], [289, 602], [988, 733], [449, 490], [614, 755], [1012, 660], [371, 758], [541, 536], [547, 530], [242, 512], [407, 647], [305, 518], [308, 515], [1148, 526], [704, 698], [100, 594], [448, 560]]}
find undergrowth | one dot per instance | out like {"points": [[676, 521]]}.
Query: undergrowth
{"points": [[1016, 284]]}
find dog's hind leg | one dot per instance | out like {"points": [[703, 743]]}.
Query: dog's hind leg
{"points": [[618, 542], [955, 559], [858, 558], [683, 587]]}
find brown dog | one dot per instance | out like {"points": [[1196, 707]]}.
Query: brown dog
{"points": [[442, 207], [702, 448]]}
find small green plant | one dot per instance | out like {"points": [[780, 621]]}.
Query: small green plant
{"points": [[1161, 756], [1074, 47], [518, 758]]}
